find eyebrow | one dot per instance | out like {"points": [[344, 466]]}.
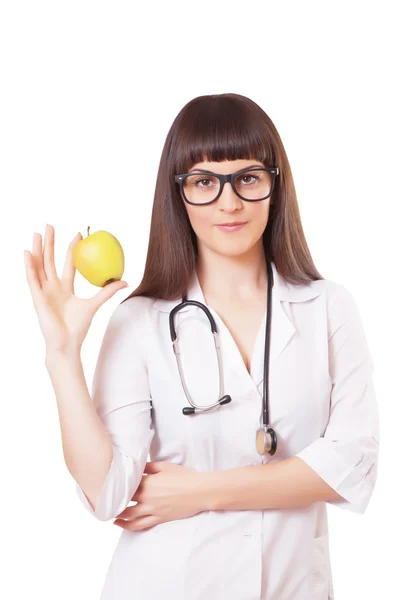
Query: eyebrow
{"points": [[212, 172]]}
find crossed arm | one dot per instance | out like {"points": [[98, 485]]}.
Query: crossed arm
{"points": [[170, 491], [283, 484]]}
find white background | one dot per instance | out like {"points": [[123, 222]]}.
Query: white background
{"points": [[89, 91]]}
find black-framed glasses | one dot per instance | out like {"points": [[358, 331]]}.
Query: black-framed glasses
{"points": [[203, 187]]}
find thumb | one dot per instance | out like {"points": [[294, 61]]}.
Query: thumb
{"points": [[107, 292]]}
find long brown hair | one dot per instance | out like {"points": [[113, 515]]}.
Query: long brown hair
{"points": [[220, 127]]}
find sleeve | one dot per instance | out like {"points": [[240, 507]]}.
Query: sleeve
{"points": [[346, 457], [121, 396]]}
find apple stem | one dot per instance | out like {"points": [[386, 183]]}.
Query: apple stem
{"points": [[89, 228]]}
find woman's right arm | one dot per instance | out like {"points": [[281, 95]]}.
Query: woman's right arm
{"points": [[87, 445], [106, 437]]}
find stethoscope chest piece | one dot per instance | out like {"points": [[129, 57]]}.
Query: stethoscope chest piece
{"points": [[266, 441]]}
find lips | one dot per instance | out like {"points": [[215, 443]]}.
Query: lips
{"points": [[232, 227], [232, 224]]}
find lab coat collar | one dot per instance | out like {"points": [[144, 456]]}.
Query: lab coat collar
{"points": [[282, 290]]}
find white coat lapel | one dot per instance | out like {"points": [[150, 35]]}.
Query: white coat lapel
{"points": [[282, 326]]}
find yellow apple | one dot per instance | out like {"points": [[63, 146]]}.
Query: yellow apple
{"points": [[99, 258]]}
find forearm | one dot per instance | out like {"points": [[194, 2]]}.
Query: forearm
{"points": [[86, 443], [283, 484]]}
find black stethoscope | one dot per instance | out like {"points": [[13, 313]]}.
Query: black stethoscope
{"points": [[266, 440]]}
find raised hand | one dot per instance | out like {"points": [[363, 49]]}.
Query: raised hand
{"points": [[63, 317]]}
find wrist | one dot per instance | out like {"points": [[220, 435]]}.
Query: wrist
{"points": [[55, 355], [208, 489]]}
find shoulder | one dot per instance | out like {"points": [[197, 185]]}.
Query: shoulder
{"points": [[342, 309], [338, 295], [335, 296], [126, 331], [132, 312]]}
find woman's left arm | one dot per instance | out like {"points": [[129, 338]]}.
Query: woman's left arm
{"points": [[284, 484], [341, 466]]}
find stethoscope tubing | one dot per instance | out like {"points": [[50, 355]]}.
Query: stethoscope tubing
{"points": [[224, 399]]}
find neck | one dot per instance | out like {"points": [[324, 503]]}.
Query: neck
{"points": [[241, 277]]}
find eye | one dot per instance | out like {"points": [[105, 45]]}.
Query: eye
{"points": [[248, 179], [205, 181], [201, 181]]}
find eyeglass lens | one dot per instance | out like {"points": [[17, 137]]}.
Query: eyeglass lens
{"points": [[200, 188]]}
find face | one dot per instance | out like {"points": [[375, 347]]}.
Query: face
{"points": [[228, 208]]}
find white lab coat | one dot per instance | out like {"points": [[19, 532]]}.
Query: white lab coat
{"points": [[322, 407]]}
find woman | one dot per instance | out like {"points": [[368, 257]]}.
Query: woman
{"points": [[216, 514]]}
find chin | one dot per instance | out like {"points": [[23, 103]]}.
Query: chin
{"points": [[232, 249]]}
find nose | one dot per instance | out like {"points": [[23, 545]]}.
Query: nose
{"points": [[228, 198]]}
